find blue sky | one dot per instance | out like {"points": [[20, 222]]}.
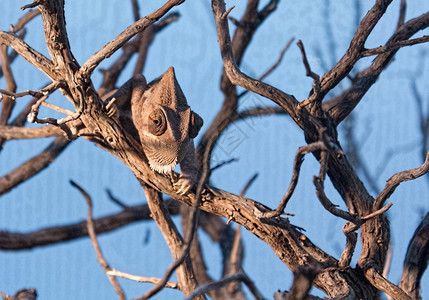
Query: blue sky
{"points": [[385, 121]]}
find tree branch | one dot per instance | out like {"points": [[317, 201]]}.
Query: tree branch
{"points": [[416, 260], [398, 178], [111, 47], [366, 78], [185, 273], [29, 54], [33, 166], [92, 235], [240, 276], [395, 46], [385, 286], [288, 102], [169, 284], [17, 133], [342, 68], [58, 234]]}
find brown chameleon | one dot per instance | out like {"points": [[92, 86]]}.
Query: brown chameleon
{"points": [[159, 117]]}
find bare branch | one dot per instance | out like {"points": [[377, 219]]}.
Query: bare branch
{"points": [[169, 284], [353, 53], [398, 178], [136, 10], [385, 286], [24, 294], [58, 234], [395, 46], [32, 56], [111, 47], [31, 5], [273, 67], [233, 72], [351, 239], [111, 75], [299, 158], [47, 90], [416, 260], [92, 235], [189, 235], [33, 166], [240, 276], [366, 78], [309, 73], [302, 282], [327, 204], [176, 245], [17, 133], [402, 10]]}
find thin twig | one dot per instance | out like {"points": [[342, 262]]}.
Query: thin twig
{"points": [[329, 206], [397, 179], [273, 67], [115, 200], [110, 48], [299, 158], [136, 10], [92, 235], [224, 163], [316, 78], [240, 276], [395, 46], [248, 184], [31, 5], [33, 166], [402, 10], [169, 284], [49, 89], [52, 235]]}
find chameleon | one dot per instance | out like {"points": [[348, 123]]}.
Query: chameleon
{"points": [[158, 116]]}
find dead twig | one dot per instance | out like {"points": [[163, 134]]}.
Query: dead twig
{"points": [[395, 46], [18, 133], [273, 67], [316, 78], [416, 260], [33, 165], [189, 235], [240, 276], [92, 235], [397, 179], [169, 284], [111, 47], [299, 158]]}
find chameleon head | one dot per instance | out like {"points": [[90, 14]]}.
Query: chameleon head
{"points": [[165, 122]]}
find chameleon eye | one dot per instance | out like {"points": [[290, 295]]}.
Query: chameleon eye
{"points": [[156, 123]]}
